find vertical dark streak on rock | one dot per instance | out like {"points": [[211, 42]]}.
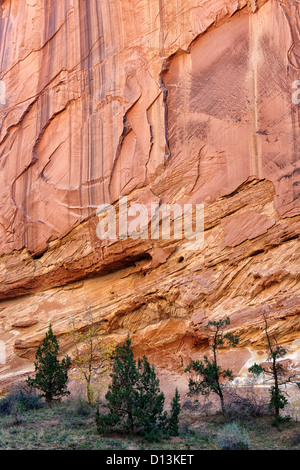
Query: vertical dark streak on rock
{"points": [[126, 129], [90, 99], [81, 12], [291, 68], [112, 42], [102, 162], [43, 105], [151, 143], [67, 6], [3, 42], [162, 28], [101, 85], [26, 174], [49, 31], [86, 65], [13, 183], [293, 65]]}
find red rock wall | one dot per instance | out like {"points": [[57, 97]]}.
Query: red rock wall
{"points": [[163, 102]]}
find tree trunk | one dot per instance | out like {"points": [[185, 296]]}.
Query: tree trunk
{"points": [[276, 388]]}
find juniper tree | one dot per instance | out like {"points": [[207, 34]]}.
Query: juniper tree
{"points": [[174, 416], [122, 395], [51, 375], [209, 375], [134, 399], [149, 408]]}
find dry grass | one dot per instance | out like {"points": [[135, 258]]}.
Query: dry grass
{"points": [[71, 426]]}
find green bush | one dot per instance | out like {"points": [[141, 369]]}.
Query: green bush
{"points": [[134, 400], [155, 435], [174, 416], [280, 420], [105, 422], [233, 437], [5, 406], [51, 374]]}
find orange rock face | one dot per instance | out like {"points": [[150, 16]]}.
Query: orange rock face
{"points": [[163, 102]]}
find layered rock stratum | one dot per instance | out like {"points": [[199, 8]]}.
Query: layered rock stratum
{"points": [[164, 102]]}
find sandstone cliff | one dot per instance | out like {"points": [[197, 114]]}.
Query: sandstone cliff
{"points": [[163, 102]]}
